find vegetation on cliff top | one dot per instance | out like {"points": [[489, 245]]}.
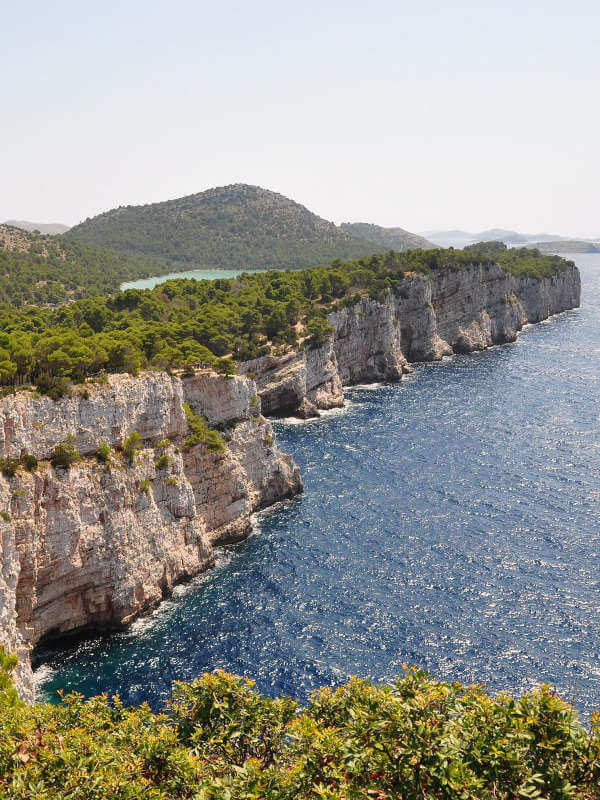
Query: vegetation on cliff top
{"points": [[219, 739], [183, 322], [238, 225]]}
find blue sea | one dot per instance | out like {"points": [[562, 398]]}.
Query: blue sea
{"points": [[449, 521]]}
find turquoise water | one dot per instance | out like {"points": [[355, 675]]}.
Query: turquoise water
{"points": [[195, 274], [450, 521]]}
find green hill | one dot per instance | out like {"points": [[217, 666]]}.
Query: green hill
{"points": [[230, 226], [50, 270], [389, 238]]}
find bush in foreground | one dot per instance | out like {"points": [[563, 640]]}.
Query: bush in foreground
{"points": [[219, 739]]}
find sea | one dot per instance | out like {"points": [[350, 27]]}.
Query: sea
{"points": [[449, 521]]}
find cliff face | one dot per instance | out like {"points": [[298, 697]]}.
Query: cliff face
{"points": [[96, 545], [424, 320]]}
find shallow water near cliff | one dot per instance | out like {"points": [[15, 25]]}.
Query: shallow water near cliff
{"points": [[450, 521]]}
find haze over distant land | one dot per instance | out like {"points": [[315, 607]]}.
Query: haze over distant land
{"points": [[42, 227], [460, 238]]}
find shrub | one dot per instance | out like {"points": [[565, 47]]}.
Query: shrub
{"points": [[416, 739], [131, 446], [54, 386], [225, 366], [201, 433], [65, 454], [8, 694], [103, 453], [145, 486], [9, 466], [318, 331], [162, 462], [163, 444], [4, 515], [172, 481], [29, 461]]}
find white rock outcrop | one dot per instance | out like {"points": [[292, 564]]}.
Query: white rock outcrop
{"points": [[97, 545], [426, 318]]}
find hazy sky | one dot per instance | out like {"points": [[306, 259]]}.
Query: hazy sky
{"points": [[400, 113]]}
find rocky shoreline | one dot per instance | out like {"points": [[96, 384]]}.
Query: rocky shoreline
{"points": [[95, 546], [426, 319]]}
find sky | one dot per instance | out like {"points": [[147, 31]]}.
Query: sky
{"points": [[414, 114]]}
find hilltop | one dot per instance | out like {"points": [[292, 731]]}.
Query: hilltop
{"points": [[238, 225], [40, 227], [50, 270]]}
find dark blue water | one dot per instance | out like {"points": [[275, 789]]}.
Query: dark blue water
{"points": [[451, 521]]}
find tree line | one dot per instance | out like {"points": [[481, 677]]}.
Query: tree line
{"points": [[185, 322]]}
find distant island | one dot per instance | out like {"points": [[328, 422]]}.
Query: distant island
{"points": [[566, 246], [51, 228], [547, 242]]}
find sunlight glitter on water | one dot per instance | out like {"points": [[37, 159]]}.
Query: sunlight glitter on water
{"points": [[450, 521]]}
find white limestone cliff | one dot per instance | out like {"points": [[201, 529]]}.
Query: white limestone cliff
{"points": [[96, 545], [427, 318]]}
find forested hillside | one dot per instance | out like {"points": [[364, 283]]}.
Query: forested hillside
{"points": [[183, 322], [387, 238], [50, 270], [230, 226]]}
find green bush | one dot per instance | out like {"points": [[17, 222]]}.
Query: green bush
{"points": [[8, 694], [318, 331], [103, 453], [29, 461], [162, 462], [145, 486], [4, 515], [219, 739], [132, 446], [201, 433], [9, 467], [55, 386], [225, 366], [163, 444], [172, 481], [65, 454]]}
